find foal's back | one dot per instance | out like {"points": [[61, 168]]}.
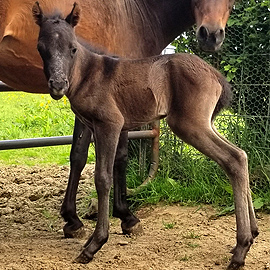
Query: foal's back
{"points": [[152, 88]]}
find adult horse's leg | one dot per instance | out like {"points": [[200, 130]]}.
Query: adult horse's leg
{"points": [[78, 158], [130, 223]]}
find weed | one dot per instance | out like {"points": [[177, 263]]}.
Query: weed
{"points": [[51, 218], [193, 245], [185, 258], [191, 235], [169, 225]]}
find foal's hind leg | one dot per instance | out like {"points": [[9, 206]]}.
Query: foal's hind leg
{"points": [[233, 160], [78, 158], [253, 223], [130, 224]]}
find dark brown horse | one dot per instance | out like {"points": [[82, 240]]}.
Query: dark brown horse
{"points": [[131, 28], [112, 95]]}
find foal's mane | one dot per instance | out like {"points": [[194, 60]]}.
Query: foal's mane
{"points": [[56, 16], [94, 49]]}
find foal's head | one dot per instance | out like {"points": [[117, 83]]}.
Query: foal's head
{"points": [[57, 46], [211, 17]]}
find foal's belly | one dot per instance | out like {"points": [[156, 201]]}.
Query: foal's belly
{"points": [[142, 107]]}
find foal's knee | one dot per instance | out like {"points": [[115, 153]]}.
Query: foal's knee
{"points": [[242, 157], [103, 182]]}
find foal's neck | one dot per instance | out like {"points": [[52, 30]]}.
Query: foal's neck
{"points": [[86, 66]]}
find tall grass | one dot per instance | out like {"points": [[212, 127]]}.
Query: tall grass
{"points": [[31, 115], [25, 115], [187, 176]]}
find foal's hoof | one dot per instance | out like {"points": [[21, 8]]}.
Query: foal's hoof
{"points": [[233, 250], [255, 233], [83, 258], [79, 233], [235, 266], [137, 229]]}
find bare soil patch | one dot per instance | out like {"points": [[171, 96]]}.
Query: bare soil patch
{"points": [[175, 237]]}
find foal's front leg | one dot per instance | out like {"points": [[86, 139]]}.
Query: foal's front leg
{"points": [[106, 139], [78, 158]]}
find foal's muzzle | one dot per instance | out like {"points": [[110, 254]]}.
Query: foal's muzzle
{"points": [[58, 87]]}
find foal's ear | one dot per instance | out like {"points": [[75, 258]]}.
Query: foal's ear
{"points": [[74, 16], [37, 14]]}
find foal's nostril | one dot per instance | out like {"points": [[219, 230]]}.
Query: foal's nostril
{"points": [[58, 83], [203, 33], [50, 82]]}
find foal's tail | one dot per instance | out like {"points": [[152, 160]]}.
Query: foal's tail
{"points": [[226, 94]]}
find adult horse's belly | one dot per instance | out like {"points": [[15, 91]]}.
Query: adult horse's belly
{"points": [[21, 71], [24, 78]]}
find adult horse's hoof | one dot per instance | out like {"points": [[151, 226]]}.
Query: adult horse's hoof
{"points": [[79, 233], [137, 229], [83, 258]]}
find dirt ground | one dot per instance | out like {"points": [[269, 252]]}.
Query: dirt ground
{"points": [[175, 237]]}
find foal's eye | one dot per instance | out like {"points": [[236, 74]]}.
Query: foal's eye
{"points": [[73, 51]]}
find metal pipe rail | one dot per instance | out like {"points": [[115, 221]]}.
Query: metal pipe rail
{"points": [[63, 140]]}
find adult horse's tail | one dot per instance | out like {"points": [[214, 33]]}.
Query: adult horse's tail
{"points": [[226, 94]]}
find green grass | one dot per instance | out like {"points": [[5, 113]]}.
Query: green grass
{"points": [[168, 225], [185, 258], [191, 235], [25, 115]]}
